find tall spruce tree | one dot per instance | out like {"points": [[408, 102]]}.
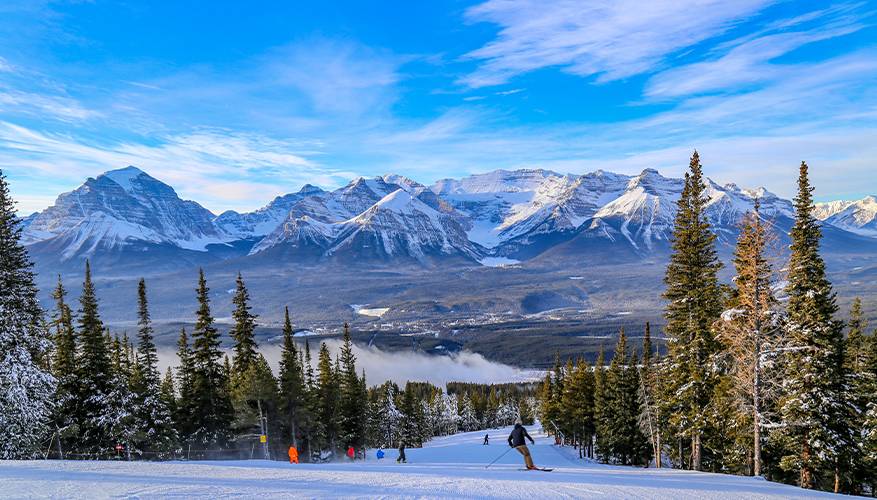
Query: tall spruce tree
{"points": [[650, 421], [815, 408], [293, 392], [578, 407], [94, 372], [353, 407], [153, 419], [243, 332], [26, 385], [63, 368], [326, 400], [254, 395], [694, 302], [621, 438], [210, 403], [856, 341], [751, 330]]}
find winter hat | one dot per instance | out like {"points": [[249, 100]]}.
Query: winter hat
{"points": [[518, 422]]}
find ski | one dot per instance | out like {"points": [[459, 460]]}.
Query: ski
{"points": [[538, 468]]}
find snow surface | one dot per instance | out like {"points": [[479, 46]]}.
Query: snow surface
{"points": [[446, 468], [124, 176], [377, 311], [497, 261]]}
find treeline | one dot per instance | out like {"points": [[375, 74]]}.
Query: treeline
{"points": [[110, 393], [422, 411], [758, 377]]}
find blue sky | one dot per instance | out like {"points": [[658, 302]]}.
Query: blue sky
{"points": [[233, 103]]}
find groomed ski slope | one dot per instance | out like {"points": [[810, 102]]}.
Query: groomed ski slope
{"points": [[446, 468]]}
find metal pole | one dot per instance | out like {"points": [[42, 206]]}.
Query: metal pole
{"points": [[497, 458]]}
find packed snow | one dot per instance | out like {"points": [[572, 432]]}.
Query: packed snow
{"points": [[447, 468]]}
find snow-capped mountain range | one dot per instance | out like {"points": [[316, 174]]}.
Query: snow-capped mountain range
{"points": [[594, 242], [507, 214]]}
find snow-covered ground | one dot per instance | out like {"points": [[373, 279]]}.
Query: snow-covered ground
{"points": [[446, 468]]}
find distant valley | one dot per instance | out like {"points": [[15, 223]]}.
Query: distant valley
{"points": [[390, 254]]}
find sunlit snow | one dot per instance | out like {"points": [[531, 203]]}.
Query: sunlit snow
{"points": [[451, 467]]}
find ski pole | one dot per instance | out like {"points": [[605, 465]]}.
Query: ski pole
{"points": [[497, 458]]}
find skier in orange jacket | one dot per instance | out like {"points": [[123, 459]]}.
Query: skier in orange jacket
{"points": [[293, 455]]}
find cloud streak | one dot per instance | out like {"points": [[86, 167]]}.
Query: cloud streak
{"points": [[614, 39]]}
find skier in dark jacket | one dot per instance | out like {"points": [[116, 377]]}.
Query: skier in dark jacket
{"points": [[401, 458], [516, 441]]}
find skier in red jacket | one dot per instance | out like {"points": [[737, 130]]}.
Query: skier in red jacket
{"points": [[351, 454]]}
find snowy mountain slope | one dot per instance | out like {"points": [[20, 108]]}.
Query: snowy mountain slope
{"points": [[643, 214], [449, 467], [402, 224], [503, 204], [143, 207], [264, 220], [398, 224], [855, 216]]}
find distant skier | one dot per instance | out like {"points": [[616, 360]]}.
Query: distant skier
{"points": [[293, 455], [380, 453], [486, 439], [516, 441], [401, 458], [351, 454]]}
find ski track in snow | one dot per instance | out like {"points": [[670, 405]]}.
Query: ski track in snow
{"points": [[446, 468]]}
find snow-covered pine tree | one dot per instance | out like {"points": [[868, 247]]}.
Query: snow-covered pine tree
{"points": [[293, 404], [385, 416], [153, 420], [856, 342], [815, 409], [650, 418], [620, 437], [353, 405], [243, 332], [869, 424], [26, 385], [94, 372], [212, 412], [750, 330], [184, 423], [694, 302], [121, 405], [468, 421], [412, 417], [864, 382]]}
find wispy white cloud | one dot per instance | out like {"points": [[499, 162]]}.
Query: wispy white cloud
{"points": [[748, 63], [614, 39], [45, 106], [218, 168]]}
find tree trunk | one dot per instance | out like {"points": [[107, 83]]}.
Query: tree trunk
{"points": [[696, 453], [807, 469], [658, 448], [681, 455]]}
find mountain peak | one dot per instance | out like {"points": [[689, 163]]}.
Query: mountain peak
{"points": [[124, 176]]}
